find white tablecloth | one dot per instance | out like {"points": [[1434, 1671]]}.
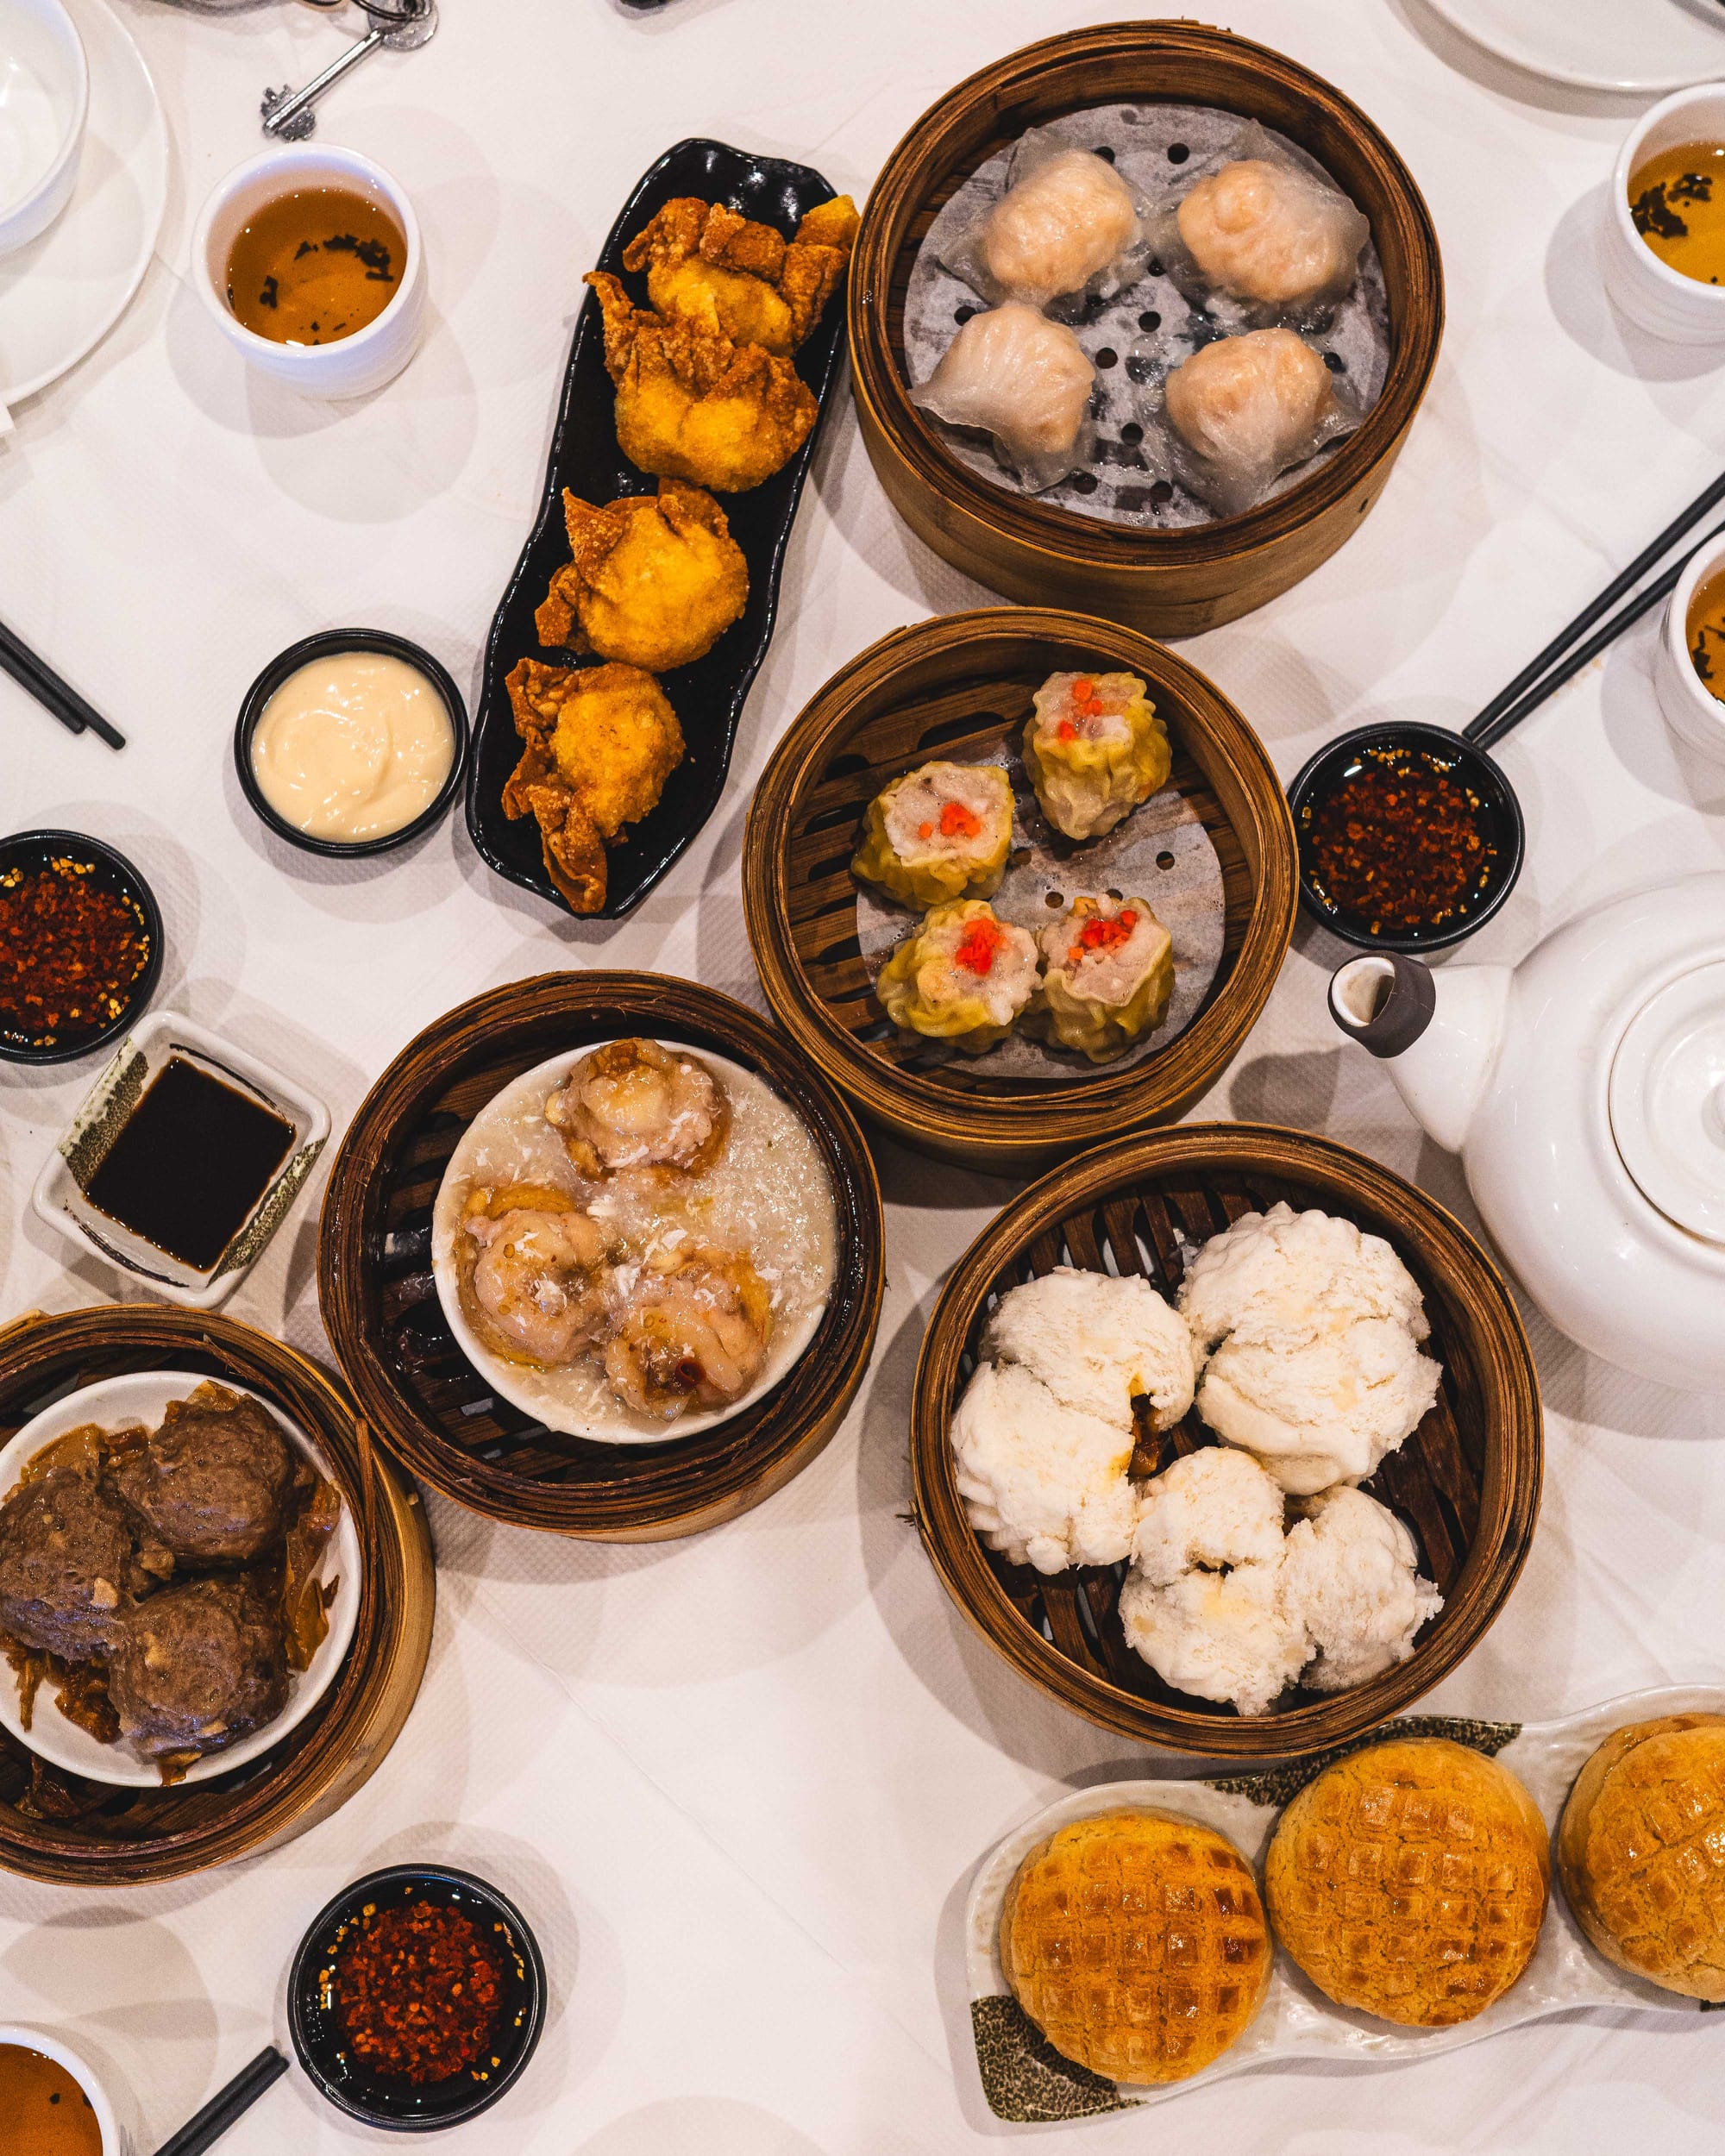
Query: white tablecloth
{"points": [[739, 1782]]}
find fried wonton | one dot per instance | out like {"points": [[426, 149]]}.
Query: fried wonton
{"points": [[706, 263], [654, 581], [692, 405], [599, 744]]}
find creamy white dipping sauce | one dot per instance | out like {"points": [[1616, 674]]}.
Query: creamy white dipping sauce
{"points": [[352, 746]]}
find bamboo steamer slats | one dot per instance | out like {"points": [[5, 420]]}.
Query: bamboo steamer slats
{"points": [[58, 1828], [380, 1300], [1467, 1482], [956, 686]]}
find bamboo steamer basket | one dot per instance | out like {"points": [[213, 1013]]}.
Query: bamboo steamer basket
{"points": [[62, 1828], [1169, 583], [379, 1299], [1467, 1482], [956, 686]]}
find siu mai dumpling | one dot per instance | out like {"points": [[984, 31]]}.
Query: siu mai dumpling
{"points": [[1068, 223], [1094, 748], [1246, 408], [1272, 233], [1108, 974], [1023, 380], [963, 978], [943, 831]]}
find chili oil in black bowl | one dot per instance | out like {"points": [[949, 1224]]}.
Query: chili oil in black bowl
{"points": [[416, 1998], [1410, 837], [81, 946]]}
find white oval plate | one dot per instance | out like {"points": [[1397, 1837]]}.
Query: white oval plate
{"points": [[1296, 2021], [62, 294], [505, 1376], [141, 1396], [1632, 46]]}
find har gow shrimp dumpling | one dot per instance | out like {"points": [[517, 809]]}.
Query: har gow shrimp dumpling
{"points": [[1272, 233], [1107, 974], [1094, 749], [1070, 219], [964, 977], [1246, 408], [1022, 379], [940, 832]]}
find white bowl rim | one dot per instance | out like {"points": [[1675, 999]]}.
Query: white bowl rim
{"points": [[343, 1611], [488, 1365], [55, 2047], [1672, 279], [72, 142], [1709, 557], [283, 158]]}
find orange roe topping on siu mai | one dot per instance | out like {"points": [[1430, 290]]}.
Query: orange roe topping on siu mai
{"points": [[978, 947], [958, 821], [1098, 934]]}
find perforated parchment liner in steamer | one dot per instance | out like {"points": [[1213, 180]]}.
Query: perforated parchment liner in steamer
{"points": [[1186, 896], [1141, 137], [1024, 2080]]}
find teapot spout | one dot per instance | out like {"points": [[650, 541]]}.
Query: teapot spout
{"points": [[1440, 1033]]}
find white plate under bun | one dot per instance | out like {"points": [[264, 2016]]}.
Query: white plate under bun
{"points": [[507, 1377], [142, 1397]]}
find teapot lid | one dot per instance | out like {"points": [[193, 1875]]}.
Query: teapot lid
{"points": [[1667, 1100]]}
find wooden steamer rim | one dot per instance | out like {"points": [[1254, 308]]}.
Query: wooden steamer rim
{"points": [[1173, 582], [1020, 1127], [1489, 1409], [132, 1836], [384, 1177]]}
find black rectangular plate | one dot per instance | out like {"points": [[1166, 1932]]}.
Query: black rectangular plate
{"points": [[708, 696]]}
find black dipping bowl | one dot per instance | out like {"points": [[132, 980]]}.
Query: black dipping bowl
{"points": [[110, 871], [1498, 811], [415, 2106], [318, 647]]}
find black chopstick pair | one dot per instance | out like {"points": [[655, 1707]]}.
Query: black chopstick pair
{"points": [[206, 2127], [1564, 656], [35, 673]]}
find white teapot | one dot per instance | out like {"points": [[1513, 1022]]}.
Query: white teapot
{"points": [[1584, 1090]]}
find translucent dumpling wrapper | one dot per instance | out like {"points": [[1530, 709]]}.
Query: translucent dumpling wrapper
{"points": [[1024, 381], [963, 978], [938, 833], [1256, 228], [1069, 228], [1094, 749], [1244, 410], [1108, 974]]}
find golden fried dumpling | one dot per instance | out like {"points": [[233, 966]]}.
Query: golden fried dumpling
{"points": [[533, 1273], [653, 580], [633, 1105], [691, 1332], [1642, 1852], [1137, 1943], [963, 978], [708, 265], [1271, 233], [598, 744], [1094, 748], [692, 405], [1409, 1880], [1108, 972], [941, 831]]}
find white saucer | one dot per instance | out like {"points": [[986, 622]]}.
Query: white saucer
{"points": [[1633, 45], [62, 294], [141, 1396]]}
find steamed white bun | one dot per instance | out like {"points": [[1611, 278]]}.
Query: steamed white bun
{"points": [[1096, 1341], [1349, 1572], [1211, 1509], [1042, 1482], [1219, 1635]]}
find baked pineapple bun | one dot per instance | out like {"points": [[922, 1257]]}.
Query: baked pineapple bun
{"points": [[1409, 1880], [1136, 1944], [1642, 1852]]}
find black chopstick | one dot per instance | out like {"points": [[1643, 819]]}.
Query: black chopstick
{"points": [[206, 2127], [32, 671], [1585, 653], [1484, 729]]}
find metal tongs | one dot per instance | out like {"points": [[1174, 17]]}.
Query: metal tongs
{"points": [[401, 25]]}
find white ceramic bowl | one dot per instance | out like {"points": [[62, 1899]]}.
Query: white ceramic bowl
{"points": [[141, 1396], [1651, 292], [359, 364], [1692, 713], [44, 99], [115, 2142]]}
